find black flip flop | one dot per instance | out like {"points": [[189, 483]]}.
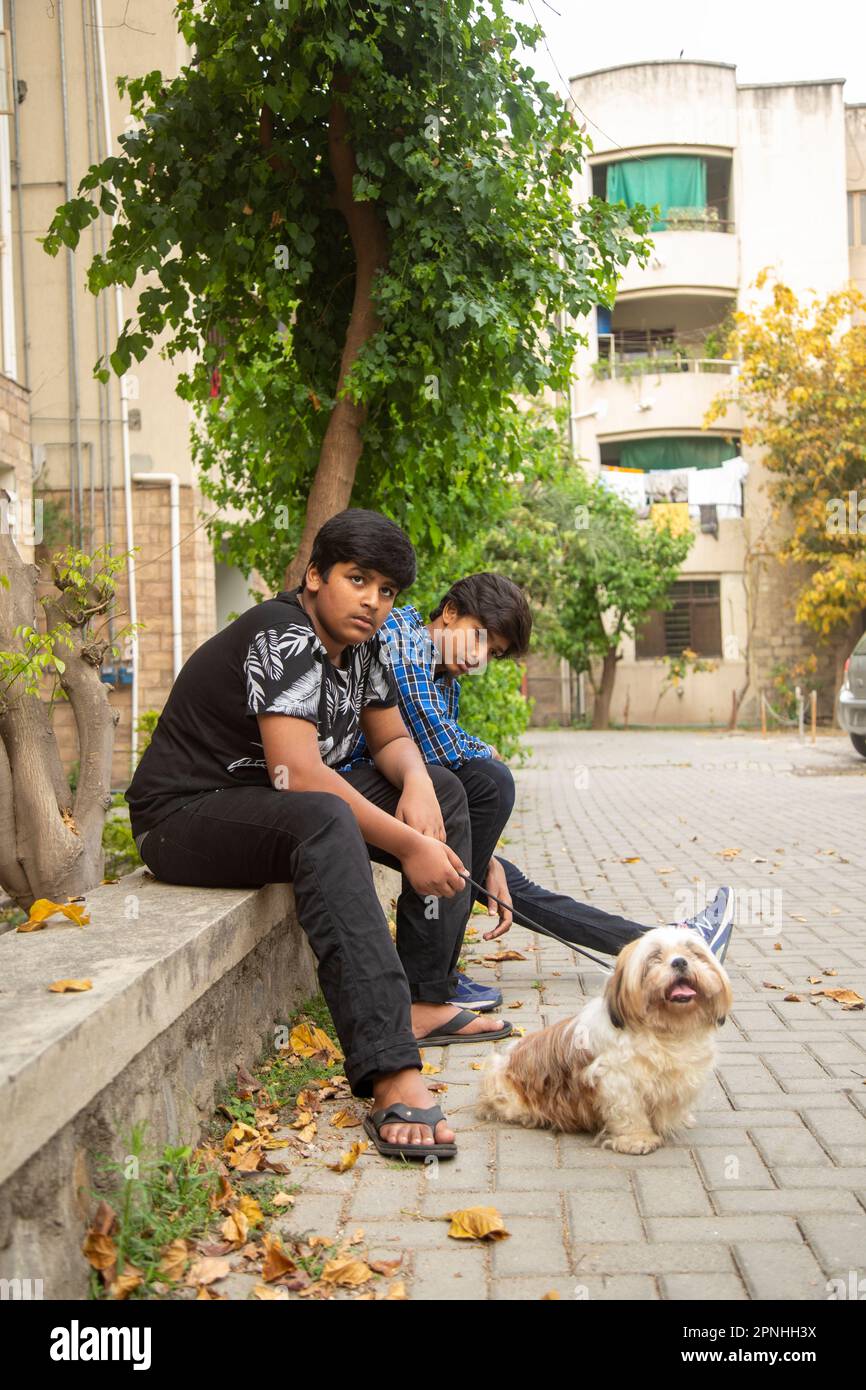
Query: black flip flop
{"points": [[447, 1033], [407, 1114]]}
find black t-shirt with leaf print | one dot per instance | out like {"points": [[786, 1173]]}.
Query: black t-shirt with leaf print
{"points": [[268, 661]]}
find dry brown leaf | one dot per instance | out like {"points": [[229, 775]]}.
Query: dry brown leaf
{"points": [[279, 1295], [730, 853], [348, 1273], [277, 1262], [506, 955], [235, 1228], [283, 1199], [631, 859], [476, 1066], [207, 1270], [813, 979], [428, 1069], [768, 984], [99, 1250], [70, 986], [849, 997], [550, 1296], [249, 1161], [515, 1004], [123, 1285], [348, 1160], [793, 999], [777, 945], [397, 1292], [829, 972], [476, 1223], [174, 1258], [386, 1267]]}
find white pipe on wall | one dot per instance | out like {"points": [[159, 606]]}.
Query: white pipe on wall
{"points": [[7, 289], [174, 541], [124, 413]]}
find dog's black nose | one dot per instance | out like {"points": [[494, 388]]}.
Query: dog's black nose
{"points": [[679, 963]]}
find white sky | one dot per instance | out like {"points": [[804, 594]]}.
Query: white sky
{"points": [[768, 40]]}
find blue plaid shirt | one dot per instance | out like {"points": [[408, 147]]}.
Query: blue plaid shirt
{"points": [[429, 707]]}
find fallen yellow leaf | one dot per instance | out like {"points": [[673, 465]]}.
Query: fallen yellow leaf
{"points": [[43, 908], [251, 1210], [346, 1119], [70, 986], [307, 1039], [348, 1160], [476, 1223]]}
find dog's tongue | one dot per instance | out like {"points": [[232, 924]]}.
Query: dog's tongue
{"points": [[681, 992]]}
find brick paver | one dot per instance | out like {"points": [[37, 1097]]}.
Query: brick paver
{"points": [[766, 1197]]}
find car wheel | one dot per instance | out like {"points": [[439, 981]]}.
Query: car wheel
{"points": [[859, 743]]}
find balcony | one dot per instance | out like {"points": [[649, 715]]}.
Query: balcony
{"points": [[670, 391], [694, 245]]}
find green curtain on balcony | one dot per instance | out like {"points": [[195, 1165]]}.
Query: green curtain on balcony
{"points": [[671, 180], [648, 455]]}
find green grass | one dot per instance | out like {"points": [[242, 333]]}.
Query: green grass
{"points": [[158, 1197], [161, 1196]]}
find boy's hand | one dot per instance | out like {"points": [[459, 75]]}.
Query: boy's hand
{"points": [[496, 753], [497, 883], [419, 808], [433, 869]]}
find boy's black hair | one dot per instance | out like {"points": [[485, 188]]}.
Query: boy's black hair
{"points": [[367, 539], [498, 602]]}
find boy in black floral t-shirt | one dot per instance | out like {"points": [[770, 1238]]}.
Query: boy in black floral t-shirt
{"points": [[238, 788]]}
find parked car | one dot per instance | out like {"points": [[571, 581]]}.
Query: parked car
{"points": [[851, 712]]}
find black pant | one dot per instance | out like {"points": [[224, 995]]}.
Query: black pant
{"points": [[489, 787], [240, 837]]}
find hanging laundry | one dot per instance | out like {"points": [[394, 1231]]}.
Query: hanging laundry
{"points": [[719, 487], [627, 483]]}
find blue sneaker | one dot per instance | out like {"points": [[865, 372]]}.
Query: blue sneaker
{"points": [[716, 922], [472, 995]]}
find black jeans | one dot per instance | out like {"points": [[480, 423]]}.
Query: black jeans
{"points": [[489, 787], [239, 837]]}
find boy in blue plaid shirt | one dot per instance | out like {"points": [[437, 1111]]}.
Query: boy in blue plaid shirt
{"points": [[486, 616]]}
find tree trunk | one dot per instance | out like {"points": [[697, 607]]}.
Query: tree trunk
{"points": [[50, 842], [341, 447], [604, 695]]}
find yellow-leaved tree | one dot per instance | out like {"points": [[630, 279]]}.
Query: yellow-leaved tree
{"points": [[802, 391]]}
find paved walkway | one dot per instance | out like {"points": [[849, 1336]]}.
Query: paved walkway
{"points": [[765, 1198]]}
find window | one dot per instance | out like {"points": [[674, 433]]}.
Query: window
{"points": [[694, 620], [857, 218]]}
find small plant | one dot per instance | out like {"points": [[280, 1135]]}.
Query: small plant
{"points": [[158, 1197], [784, 680]]}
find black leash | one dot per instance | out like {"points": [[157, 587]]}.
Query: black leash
{"points": [[535, 926]]}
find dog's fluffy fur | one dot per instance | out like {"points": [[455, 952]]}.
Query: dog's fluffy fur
{"points": [[629, 1065]]}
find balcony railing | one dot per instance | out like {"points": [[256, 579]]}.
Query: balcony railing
{"points": [[612, 365]]}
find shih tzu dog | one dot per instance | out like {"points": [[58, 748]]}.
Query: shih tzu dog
{"points": [[629, 1065]]}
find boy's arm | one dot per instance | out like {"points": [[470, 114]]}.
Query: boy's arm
{"points": [[291, 749], [441, 738], [399, 759]]}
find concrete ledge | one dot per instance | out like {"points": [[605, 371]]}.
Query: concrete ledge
{"points": [[187, 983]]}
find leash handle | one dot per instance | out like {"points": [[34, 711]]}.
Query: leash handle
{"points": [[535, 926]]}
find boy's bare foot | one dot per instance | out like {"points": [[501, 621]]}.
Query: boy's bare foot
{"points": [[408, 1088], [428, 1018]]}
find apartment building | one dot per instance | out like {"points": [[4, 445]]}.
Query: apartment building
{"points": [[746, 176], [103, 462]]}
